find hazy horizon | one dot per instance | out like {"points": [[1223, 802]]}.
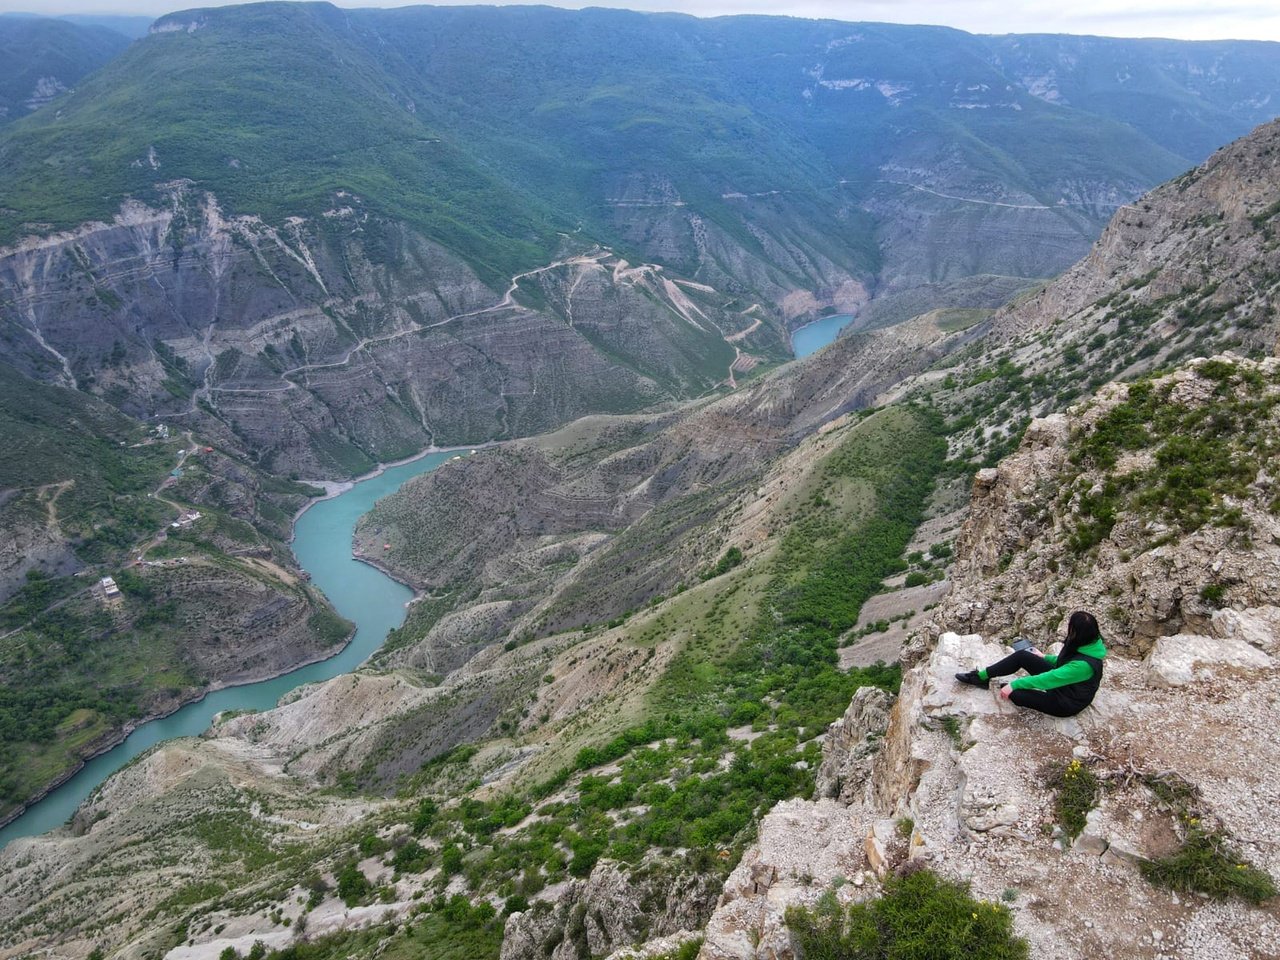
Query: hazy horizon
{"points": [[1144, 18]]}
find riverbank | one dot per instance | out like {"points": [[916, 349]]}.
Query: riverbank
{"points": [[375, 605], [114, 738], [335, 488]]}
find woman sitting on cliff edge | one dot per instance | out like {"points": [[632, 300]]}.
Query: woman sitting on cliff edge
{"points": [[1061, 686]]}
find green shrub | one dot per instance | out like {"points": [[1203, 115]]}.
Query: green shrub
{"points": [[686, 951], [732, 558], [1213, 594], [411, 858], [918, 917], [451, 860], [353, 886]]}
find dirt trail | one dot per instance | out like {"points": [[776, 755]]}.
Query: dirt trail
{"points": [[48, 495]]}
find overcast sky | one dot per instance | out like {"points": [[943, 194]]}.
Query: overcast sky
{"points": [[1185, 19]]}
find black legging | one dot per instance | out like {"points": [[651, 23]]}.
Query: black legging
{"points": [[1052, 702]]}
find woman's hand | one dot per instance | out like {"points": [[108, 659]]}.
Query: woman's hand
{"points": [[1006, 691]]}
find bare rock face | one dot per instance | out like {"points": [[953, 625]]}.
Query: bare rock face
{"points": [[803, 847], [655, 949], [1205, 230], [30, 543], [326, 345], [1257, 626], [851, 743], [1024, 571]]}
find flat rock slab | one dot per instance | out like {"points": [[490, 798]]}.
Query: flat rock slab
{"points": [[1185, 658], [956, 653]]}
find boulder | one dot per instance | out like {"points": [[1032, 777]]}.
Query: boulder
{"points": [[1091, 840], [1184, 658], [1258, 626], [654, 949], [944, 695], [803, 846], [877, 843]]}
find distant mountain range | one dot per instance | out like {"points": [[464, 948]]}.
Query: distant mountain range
{"points": [[41, 58], [494, 129]]}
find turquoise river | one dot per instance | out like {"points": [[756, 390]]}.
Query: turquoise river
{"points": [[812, 337], [361, 593], [364, 595]]}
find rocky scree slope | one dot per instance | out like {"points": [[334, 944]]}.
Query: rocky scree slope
{"points": [[1188, 270], [1175, 750]]}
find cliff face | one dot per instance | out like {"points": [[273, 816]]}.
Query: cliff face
{"points": [[1200, 251], [331, 343]]}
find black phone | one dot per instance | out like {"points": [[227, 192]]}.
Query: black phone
{"points": [[1021, 643]]}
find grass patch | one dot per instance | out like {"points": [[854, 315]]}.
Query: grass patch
{"points": [[1203, 454], [1208, 863], [1077, 793]]}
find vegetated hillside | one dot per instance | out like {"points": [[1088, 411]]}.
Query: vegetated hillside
{"points": [[275, 112], [338, 342], [133, 27], [41, 59], [1181, 95], [84, 492], [633, 757], [1190, 269], [611, 119]]}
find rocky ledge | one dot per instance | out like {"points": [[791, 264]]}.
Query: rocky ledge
{"points": [[963, 783]]}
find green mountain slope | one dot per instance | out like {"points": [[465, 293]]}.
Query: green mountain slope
{"points": [[491, 128], [274, 109], [41, 58]]}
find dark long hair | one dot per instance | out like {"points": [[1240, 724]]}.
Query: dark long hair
{"points": [[1082, 630]]}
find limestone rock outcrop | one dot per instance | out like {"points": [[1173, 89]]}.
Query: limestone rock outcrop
{"points": [[851, 743], [613, 908], [1147, 577]]}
